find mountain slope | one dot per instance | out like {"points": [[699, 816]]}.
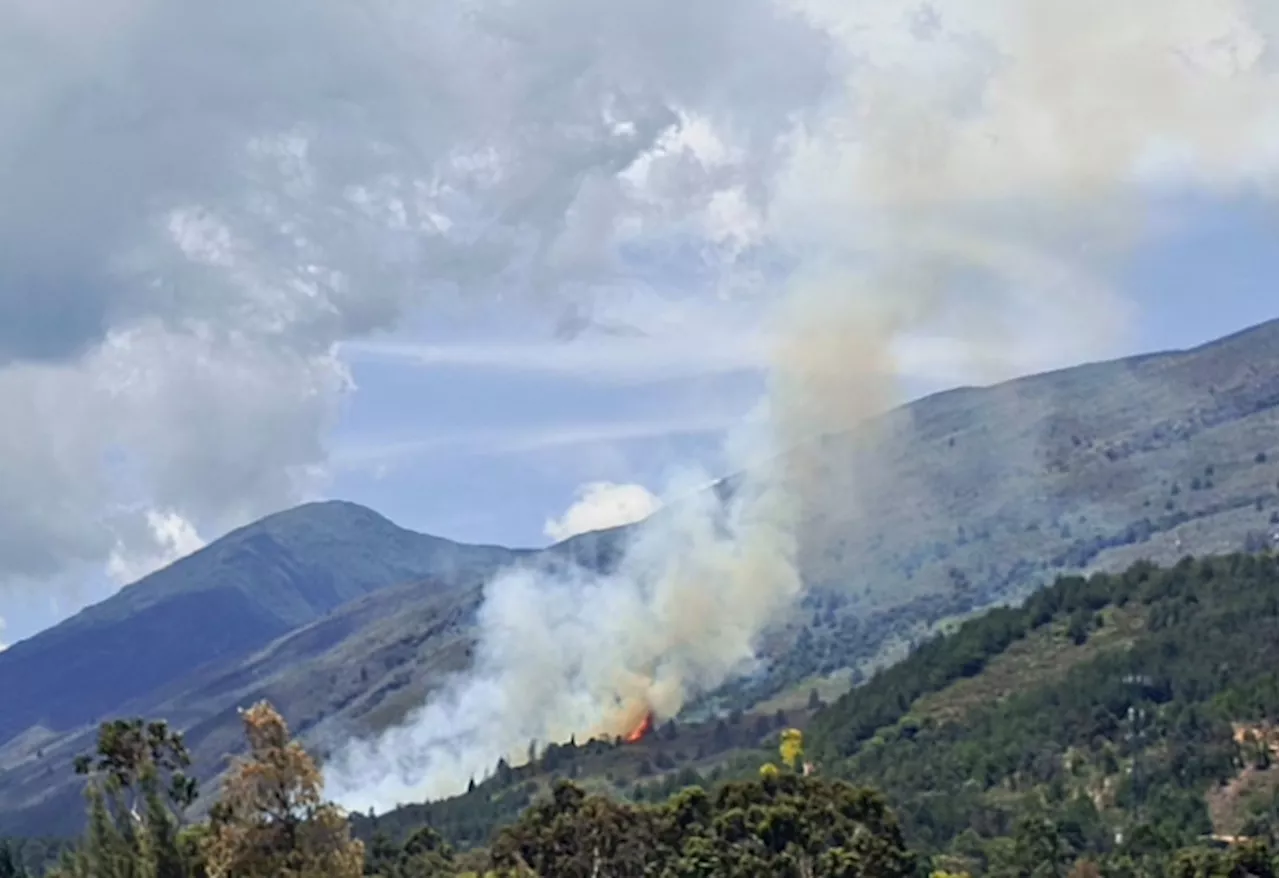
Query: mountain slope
{"points": [[1126, 710], [219, 604], [970, 498], [951, 504], [975, 496], [1118, 707]]}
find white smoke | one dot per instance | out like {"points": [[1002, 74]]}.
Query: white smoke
{"points": [[980, 167], [577, 654]]}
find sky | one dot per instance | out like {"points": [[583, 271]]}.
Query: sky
{"points": [[495, 270]]}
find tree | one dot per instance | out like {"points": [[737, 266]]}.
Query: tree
{"points": [[791, 748], [783, 825], [133, 825], [573, 835], [133, 750], [424, 855], [10, 865], [271, 821]]}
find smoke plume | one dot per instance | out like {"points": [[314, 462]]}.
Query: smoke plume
{"points": [[975, 177]]}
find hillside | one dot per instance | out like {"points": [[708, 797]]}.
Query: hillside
{"points": [[976, 496], [1133, 714], [950, 505], [218, 605]]}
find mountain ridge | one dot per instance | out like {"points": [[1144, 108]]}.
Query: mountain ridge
{"points": [[238, 593], [971, 497]]}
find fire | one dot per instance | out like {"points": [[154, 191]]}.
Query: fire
{"points": [[641, 730]]}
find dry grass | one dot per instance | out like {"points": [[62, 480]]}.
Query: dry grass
{"points": [[1230, 804]]}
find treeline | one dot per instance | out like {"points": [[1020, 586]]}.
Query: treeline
{"points": [[946, 658], [1142, 692], [1099, 767], [781, 824], [650, 771], [270, 822], [1110, 758]]}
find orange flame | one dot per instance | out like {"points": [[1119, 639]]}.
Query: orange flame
{"points": [[641, 730]]}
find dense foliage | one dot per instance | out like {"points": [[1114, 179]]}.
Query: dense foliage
{"points": [[1106, 754], [1084, 733], [782, 825], [666, 762]]}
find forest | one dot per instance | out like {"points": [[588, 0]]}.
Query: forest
{"points": [[1111, 725]]}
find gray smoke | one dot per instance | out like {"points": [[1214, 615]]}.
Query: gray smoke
{"points": [[976, 170]]}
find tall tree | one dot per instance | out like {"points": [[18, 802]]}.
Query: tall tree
{"points": [[133, 825], [134, 753], [271, 821]]}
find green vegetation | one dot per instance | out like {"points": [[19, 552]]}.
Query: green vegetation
{"points": [[1116, 725], [977, 495], [673, 757], [1160, 688], [270, 821], [1111, 725], [783, 825], [25, 857]]}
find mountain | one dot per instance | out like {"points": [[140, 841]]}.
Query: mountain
{"points": [[976, 496], [218, 605], [947, 506]]}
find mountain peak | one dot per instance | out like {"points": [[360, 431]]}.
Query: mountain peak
{"points": [[340, 518], [231, 597]]}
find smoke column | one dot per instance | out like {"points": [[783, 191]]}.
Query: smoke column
{"points": [[571, 653], [982, 167]]}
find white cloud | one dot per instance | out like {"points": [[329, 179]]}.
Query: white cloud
{"points": [[173, 537], [603, 361], [204, 202], [601, 505], [380, 456], [215, 430], [636, 337]]}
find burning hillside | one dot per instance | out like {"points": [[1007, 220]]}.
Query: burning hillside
{"points": [[637, 734]]}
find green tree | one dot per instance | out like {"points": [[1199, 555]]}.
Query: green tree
{"points": [[783, 825], [130, 751], [137, 792]]}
